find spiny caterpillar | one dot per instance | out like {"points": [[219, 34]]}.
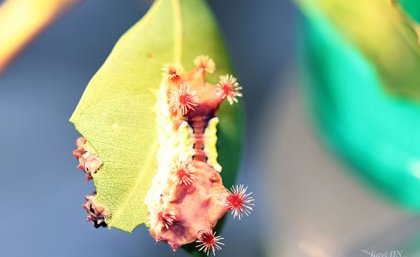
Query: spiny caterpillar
{"points": [[187, 197]]}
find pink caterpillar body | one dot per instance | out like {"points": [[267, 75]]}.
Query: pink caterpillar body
{"points": [[187, 197]]}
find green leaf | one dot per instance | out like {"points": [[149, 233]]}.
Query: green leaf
{"points": [[412, 8], [116, 113], [385, 36]]}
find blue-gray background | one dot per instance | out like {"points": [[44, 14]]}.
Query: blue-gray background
{"points": [[40, 189]]}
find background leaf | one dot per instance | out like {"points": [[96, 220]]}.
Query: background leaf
{"points": [[412, 8], [381, 31], [116, 111]]}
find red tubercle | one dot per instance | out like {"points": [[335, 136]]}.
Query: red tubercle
{"points": [[89, 218], [158, 238], [88, 177], [172, 72], [182, 100], [183, 173], [173, 246], [209, 242], [81, 166], [96, 211], [229, 88], [78, 152], [89, 162], [80, 142], [166, 218], [239, 201], [204, 64]]}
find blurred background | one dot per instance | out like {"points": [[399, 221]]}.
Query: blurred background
{"points": [[307, 204]]}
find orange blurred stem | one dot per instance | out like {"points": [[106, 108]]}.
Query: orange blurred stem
{"points": [[22, 20]]}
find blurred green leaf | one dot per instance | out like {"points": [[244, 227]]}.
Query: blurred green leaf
{"points": [[116, 113], [412, 7], [381, 31]]}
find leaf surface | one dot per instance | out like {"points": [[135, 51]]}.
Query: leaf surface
{"points": [[116, 112], [381, 31]]}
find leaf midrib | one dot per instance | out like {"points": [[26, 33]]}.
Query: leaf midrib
{"points": [[178, 31]]}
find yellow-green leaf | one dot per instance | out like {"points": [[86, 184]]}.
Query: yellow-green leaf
{"points": [[381, 31], [116, 113]]}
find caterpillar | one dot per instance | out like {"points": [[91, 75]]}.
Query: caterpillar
{"points": [[187, 197]]}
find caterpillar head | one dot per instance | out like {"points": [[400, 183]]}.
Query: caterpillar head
{"points": [[190, 95]]}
